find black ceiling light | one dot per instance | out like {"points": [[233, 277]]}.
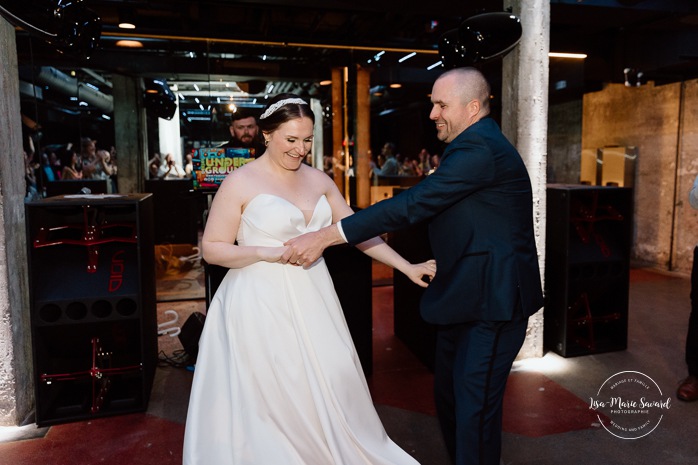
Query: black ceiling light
{"points": [[127, 18], [453, 53], [480, 38], [159, 98], [490, 35], [66, 24]]}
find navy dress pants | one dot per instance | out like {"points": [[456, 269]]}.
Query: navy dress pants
{"points": [[473, 361]]}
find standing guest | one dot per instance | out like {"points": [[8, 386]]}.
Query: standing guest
{"points": [[189, 166], [88, 156], [688, 389], [480, 212], [389, 165], [423, 163], [72, 166], [435, 162], [277, 379], [244, 133], [154, 166], [170, 169]]}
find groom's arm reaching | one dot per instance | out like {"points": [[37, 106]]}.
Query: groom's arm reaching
{"points": [[310, 246]]}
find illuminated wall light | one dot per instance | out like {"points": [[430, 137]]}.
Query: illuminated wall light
{"points": [[129, 44], [438, 63], [576, 56], [181, 96], [196, 87], [196, 99], [395, 85], [106, 117], [326, 82], [202, 107], [92, 86], [83, 104], [407, 57], [232, 107]]}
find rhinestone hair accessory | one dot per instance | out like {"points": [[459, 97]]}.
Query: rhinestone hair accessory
{"points": [[280, 104]]}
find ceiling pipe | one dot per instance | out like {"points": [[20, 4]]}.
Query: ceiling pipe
{"points": [[49, 76]]}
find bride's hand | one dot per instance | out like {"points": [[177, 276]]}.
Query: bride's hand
{"points": [[272, 254], [417, 271]]}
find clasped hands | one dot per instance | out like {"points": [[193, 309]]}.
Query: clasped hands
{"points": [[306, 249]]}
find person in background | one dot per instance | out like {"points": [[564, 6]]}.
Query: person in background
{"points": [[435, 162], [154, 166], [479, 207], [688, 389], [389, 165], [72, 166], [105, 169], [170, 169], [277, 379], [189, 166], [422, 165], [244, 133], [88, 156]]}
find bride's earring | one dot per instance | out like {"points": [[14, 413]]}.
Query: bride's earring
{"points": [[266, 142]]}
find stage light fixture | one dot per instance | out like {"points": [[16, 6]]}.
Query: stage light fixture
{"points": [[480, 38], [159, 98], [490, 35]]}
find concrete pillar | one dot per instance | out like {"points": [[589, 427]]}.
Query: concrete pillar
{"points": [[16, 385], [130, 134], [525, 122]]}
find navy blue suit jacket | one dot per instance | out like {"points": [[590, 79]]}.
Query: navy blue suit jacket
{"points": [[479, 207]]}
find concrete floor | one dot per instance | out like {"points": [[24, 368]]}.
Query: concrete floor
{"points": [[547, 416]]}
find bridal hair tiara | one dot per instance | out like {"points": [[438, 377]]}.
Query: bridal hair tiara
{"points": [[281, 103]]}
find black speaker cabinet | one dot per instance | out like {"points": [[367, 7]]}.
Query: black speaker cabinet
{"points": [[587, 268], [92, 304], [176, 210]]}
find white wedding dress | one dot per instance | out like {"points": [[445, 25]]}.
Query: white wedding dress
{"points": [[277, 379]]}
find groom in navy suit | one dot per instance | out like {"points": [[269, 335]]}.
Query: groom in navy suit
{"points": [[479, 207]]}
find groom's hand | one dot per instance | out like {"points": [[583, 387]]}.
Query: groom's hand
{"points": [[304, 250]]}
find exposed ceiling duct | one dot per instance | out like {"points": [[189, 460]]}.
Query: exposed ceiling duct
{"points": [[59, 81]]}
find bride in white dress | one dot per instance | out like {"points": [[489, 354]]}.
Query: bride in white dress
{"points": [[278, 380]]}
